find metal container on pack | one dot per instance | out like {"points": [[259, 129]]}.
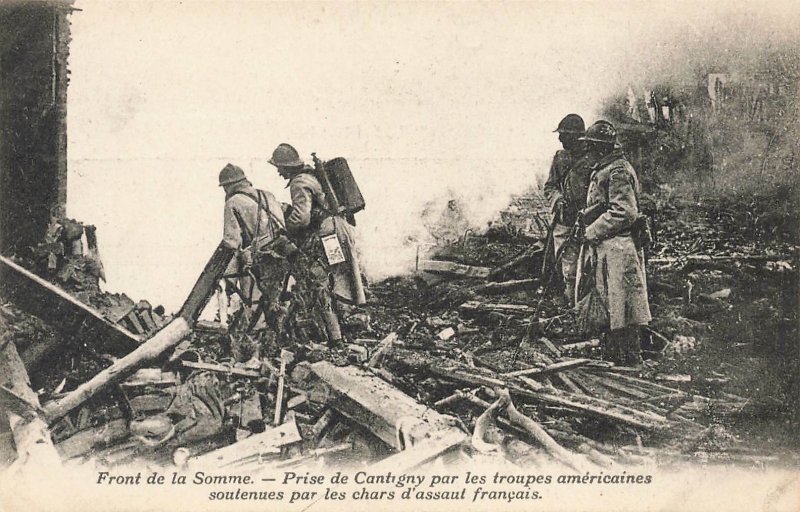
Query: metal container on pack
{"points": [[344, 186]]}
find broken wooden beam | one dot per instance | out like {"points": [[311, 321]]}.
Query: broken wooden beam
{"points": [[29, 429], [391, 415], [264, 443], [452, 268], [506, 286], [526, 257], [376, 360], [721, 258], [599, 408], [64, 312], [11, 401], [155, 347], [549, 369], [424, 452], [571, 347], [476, 307], [221, 368]]}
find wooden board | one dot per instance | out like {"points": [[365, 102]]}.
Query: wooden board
{"points": [[474, 306], [380, 407], [267, 442]]}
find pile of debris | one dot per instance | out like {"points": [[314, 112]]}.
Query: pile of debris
{"points": [[450, 364]]}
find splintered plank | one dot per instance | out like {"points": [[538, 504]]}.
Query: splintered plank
{"points": [[568, 382], [599, 408], [549, 369], [719, 258], [450, 267], [644, 385], [379, 407], [616, 386], [40, 298], [506, 286], [20, 411], [475, 307], [267, 442]]}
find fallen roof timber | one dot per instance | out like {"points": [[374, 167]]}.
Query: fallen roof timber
{"points": [[450, 267], [394, 417], [36, 296]]}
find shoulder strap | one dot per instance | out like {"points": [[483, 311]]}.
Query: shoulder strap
{"points": [[263, 203]]}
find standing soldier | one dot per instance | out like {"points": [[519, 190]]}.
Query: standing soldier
{"points": [[565, 190], [614, 233], [332, 271], [252, 220]]}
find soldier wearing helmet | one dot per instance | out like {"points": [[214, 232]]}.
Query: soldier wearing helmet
{"points": [[308, 221], [612, 246], [565, 190], [251, 220]]}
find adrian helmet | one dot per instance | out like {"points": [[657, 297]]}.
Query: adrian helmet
{"points": [[231, 174], [572, 123], [601, 131], [285, 156]]}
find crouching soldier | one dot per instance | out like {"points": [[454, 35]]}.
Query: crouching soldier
{"points": [[326, 240], [612, 236], [253, 221]]}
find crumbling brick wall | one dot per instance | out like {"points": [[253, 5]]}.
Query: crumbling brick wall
{"points": [[34, 46]]}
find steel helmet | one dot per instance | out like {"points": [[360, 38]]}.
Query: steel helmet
{"points": [[231, 174], [601, 131], [572, 123], [285, 156]]}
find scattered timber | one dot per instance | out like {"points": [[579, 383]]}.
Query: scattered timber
{"points": [[160, 343]]}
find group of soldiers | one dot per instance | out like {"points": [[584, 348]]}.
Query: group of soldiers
{"points": [[599, 233], [598, 236], [296, 266]]}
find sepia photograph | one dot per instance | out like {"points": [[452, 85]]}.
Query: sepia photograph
{"points": [[399, 255]]}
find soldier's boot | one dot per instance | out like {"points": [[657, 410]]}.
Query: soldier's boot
{"points": [[611, 347], [329, 318], [633, 347]]}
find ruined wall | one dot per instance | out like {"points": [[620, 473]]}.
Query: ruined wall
{"points": [[34, 46]]}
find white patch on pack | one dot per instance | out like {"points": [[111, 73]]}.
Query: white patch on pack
{"points": [[333, 249]]}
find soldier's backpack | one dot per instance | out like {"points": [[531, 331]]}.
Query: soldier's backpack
{"points": [[340, 187]]}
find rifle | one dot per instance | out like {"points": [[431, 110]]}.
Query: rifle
{"points": [[590, 214], [322, 175]]}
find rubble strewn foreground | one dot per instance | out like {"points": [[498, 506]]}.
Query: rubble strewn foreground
{"points": [[468, 357]]}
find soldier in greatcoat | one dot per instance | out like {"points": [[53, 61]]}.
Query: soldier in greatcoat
{"points": [[613, 241]]}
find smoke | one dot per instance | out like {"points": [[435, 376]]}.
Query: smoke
{"points": [[428, 102]]}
